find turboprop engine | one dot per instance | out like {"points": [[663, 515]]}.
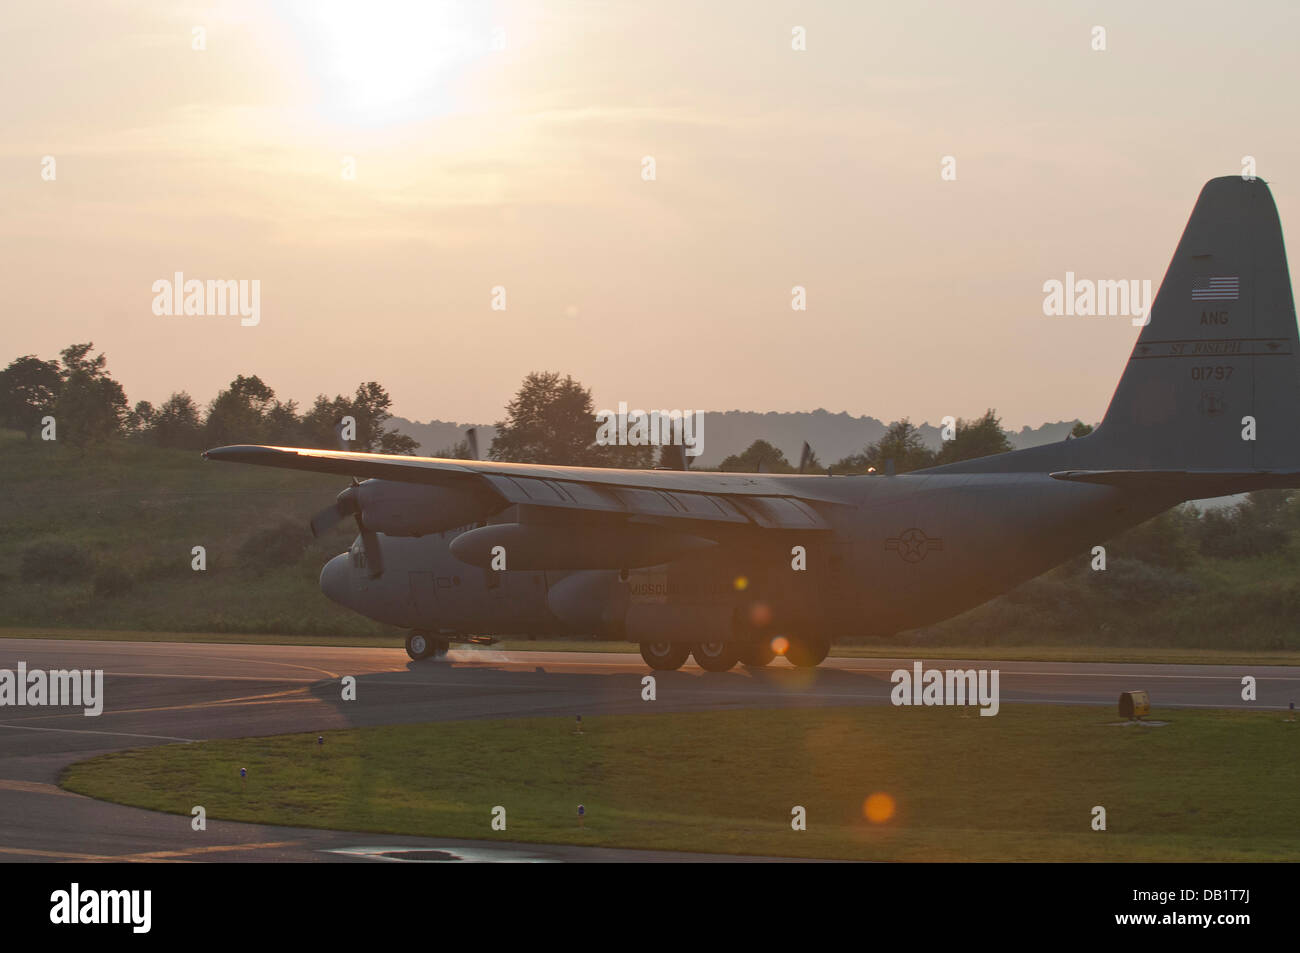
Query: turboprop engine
{"points": [[406, 509]]}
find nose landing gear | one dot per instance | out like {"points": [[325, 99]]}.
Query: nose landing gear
{"points": [[421, 645]]}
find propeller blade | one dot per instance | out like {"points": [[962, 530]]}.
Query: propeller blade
{"points": [[327, 519], [471, 437], [344, 505]]}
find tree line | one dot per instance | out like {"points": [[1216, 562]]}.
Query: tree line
{"points": [[88, 407], [550, 420]]}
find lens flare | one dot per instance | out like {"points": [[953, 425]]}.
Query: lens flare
{"points": [[741, 583], [760, 614], [780, 645], [878, 808]]}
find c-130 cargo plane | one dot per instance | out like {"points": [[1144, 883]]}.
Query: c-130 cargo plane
{"points": [[731, 567]]}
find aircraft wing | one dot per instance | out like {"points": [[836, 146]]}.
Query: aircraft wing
{"points": [[664, 495]]}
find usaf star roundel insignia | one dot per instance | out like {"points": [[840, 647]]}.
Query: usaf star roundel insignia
{"points": [[913, 545]]}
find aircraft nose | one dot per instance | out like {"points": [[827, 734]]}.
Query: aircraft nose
{"points": [[336, 579]]}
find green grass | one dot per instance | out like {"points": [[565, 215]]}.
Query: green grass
{"points": [[144, 509], [1020, 786]]}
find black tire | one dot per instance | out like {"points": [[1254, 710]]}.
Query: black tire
{"points": [[715, 656], [757, 654], [665, 656], [420, 645], [807, 652]]}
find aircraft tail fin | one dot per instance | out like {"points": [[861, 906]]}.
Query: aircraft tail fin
{"points": [[1213, 383], [1220, 346]]}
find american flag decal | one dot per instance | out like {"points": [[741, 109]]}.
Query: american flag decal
{"points": [[1215, 288]]}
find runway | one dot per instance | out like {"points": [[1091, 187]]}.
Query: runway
{"points": [[160, 693]]}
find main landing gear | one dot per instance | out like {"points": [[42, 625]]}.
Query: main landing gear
{"points": [[665, 656], [803, 652], [421, 644]]}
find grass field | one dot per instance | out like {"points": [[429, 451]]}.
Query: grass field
{"points": [[1020, 786]]}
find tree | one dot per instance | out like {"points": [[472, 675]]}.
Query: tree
{"points": [[91, 405], [369, 410], [239, 413], [902, 443], [320, 424], [370, 406], [394, 441], [457, 451], [1255, 527], [981, 437], [551, 420], [139, 421], [29, 388], [759, 457], [623, 456], [176, 423], [282, 424], [1080, 429]]}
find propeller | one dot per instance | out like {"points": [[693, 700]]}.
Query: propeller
{"points": [[348, 504], [471, 438]]}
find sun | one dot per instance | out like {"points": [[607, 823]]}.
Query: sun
{"points": [[382, 61]]}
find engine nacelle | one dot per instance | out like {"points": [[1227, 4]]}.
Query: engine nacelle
{"points": [[534, 546], [414, 509]]}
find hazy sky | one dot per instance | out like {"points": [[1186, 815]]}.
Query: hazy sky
{"points": [[522, 168]]}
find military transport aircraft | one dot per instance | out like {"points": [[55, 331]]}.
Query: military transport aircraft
{"points": [[734, 567]]}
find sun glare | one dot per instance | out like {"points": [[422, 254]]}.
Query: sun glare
{"points": [[383, 61]]}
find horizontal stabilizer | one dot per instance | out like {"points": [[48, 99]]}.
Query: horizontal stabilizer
{"points": [[1190, 484]]}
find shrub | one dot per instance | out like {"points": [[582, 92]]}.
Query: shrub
{"points": [[1135, 582], [1242, 531], [1167, 540]]}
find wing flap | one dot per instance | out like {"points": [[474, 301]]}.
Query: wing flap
{"points": [[730, 498]]}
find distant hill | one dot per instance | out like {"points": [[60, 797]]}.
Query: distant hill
{"points": [[439, 434], [832, 436]]}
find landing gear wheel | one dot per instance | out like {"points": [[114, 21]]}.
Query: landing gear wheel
{"points": [[665, 656], [757, 654], [419, 645], [807, 652], [715, 656]]}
